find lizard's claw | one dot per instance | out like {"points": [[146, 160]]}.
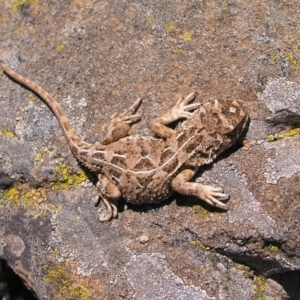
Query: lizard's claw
{"points": [[182, 109]]}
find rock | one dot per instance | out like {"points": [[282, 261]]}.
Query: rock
{"points": [[96, 58]]}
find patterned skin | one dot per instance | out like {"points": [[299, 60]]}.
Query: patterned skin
{"points": [[147, 169]]}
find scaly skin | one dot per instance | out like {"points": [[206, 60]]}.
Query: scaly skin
{"points": [[147, 169]]}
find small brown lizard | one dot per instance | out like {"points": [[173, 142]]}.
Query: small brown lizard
{"points": [[147, 169]]}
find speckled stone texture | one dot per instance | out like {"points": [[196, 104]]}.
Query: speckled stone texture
{"points": [[96, 58]]}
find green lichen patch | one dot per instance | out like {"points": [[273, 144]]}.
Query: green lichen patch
{"points": [[38, 156], [291, 54], [32, 97], [169, 27], [201, 211], [275, 57], [7, 132], [187, 36], [22, 196], [5, 19], [33, 31], [54, 252], [273, 248], [293, 59], [61, 284], [17, 4], [290, 133], [131, 132], [149, 19], [60, 48], [67, 179], [247, 272], [224, 4], [178, 51], [272, 138], [198, 244], [20, 29], [260, 288]]}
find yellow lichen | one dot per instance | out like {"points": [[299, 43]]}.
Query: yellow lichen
{"points": [[5, 19], [243, 268], [177, 51], [198, 244], [291, 53], [7, 133], [275, 57], [260, 288], [224, 4], [131, 132], [54, 252], [32, 97], [273, 248], [271, 138], [20, 29], [169, 27], [201, 211], [60, 48], [291, 57], [61, 285], [149, 19], [38, 156], [18, 3], [247, 272], [66, 178], [290, 133], [12, 195], [31, 199], [33, 30], [187, 36]]}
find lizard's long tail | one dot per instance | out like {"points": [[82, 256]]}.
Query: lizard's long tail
{"points": [[73, 140]]}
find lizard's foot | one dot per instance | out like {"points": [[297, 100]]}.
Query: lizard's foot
{"points": [[212, 195], [110, 194], [112, 211], [126, 116], [119, 125], [182, 109]]}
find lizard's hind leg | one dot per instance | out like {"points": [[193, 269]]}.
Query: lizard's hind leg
{"points": [[110, 195]]}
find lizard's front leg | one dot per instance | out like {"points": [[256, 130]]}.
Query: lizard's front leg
{"points": [[209, 194], [110, 194], [119, 125], [181, 110]]}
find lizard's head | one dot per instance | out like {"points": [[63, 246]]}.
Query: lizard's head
{"points": [[218, 125], [225, 121], [226, 117]]}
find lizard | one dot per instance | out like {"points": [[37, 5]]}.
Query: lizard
{"points": [[148, 169]]}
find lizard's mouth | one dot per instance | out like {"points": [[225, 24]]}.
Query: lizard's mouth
{"points": [[236, 132]]}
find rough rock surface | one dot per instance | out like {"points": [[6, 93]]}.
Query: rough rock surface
{"points": [[96, 58]]}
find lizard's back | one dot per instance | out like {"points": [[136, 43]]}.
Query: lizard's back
{"points": [[143, 167]]}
